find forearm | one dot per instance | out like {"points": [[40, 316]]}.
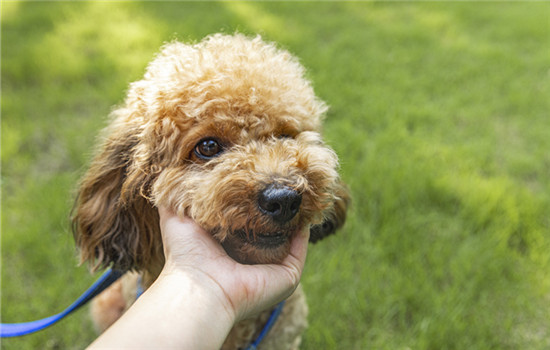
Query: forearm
{"points": [[176, 312]]}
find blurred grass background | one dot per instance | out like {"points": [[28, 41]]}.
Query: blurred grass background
{"points": [[440, 115]]}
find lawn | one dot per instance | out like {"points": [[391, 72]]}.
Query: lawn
{"points": [[440, 116]]}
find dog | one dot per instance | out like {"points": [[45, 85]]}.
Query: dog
{"points": [[227, 132]]}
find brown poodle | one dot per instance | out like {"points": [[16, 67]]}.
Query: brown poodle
{"points": [[226, 132]]}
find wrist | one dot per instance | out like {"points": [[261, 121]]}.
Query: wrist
{"points": [[196, 290], [192, 308], [177, 311]]}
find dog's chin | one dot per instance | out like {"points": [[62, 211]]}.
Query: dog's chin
{"points": [[258, 248]]}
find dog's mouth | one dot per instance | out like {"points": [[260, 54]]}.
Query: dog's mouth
{"points": [[269, 240], [250, 246]]}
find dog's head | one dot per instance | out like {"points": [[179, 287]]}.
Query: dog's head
{"points": [[226, 132]]}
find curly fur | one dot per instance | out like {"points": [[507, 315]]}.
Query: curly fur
{"points": [[254, 100]]}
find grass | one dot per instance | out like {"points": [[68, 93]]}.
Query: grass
{"points": [[439, 112]]}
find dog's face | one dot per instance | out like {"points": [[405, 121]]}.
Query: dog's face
{"points": [[226, 132], [252, 188]]}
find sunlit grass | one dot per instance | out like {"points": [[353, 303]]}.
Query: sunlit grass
{"points": [[439, 113]]}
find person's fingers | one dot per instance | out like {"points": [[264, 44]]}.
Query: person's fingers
{"points": [[296, 259], [280, 280], [299, 246], [164, 213], [183, 236], [189, 246]]}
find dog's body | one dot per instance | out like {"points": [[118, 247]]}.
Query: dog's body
{"points": [[227, 132]]}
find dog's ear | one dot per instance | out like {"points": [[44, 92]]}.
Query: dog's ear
{"points": [[114, 224], [335, 218]]}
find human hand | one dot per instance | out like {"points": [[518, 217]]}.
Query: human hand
{"points": [[243, 290], [201, 280]]}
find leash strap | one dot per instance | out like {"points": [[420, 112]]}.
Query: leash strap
{"points": [[270, 322], [18, 329], [109, 277]]}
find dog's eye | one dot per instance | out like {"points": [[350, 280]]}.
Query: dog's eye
{"points": [[207, 148]]}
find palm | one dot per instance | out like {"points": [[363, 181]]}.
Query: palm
{"points": [[247, 289]]}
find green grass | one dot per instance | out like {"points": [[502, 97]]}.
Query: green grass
{"points": [[440, 115]]}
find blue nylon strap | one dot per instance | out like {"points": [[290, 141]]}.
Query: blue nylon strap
{"points": [[18, 329], [139, 289], [270, 322], [109, 277]]}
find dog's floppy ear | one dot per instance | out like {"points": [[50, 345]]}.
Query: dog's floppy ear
{"points": [[335, 218], [114, 224]]}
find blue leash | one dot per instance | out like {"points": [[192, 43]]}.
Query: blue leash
{"points": [[270, 322], [18, 329], [109, 277]]}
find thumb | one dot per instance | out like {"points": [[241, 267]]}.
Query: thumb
{"points": [[296, 259], [182, 237]]}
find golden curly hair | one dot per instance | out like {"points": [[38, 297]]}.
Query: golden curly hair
{"points": [[241, 98]]}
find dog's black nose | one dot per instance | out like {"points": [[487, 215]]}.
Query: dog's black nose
{"points": [[281, 203]]}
